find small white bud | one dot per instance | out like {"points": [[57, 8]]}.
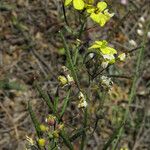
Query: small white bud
{"points": [[104, 64], [140, 32], [142, 19], [133, 43], [148, 34], [140, 25], [91, 55], [124, 2]]}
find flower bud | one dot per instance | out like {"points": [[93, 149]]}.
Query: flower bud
{"points": [[50, 120], [63, 80], [55, 134], [140, 32], [148, 34], [133, 43], [41, 142], [140, 25], [142, 19], [43, 128]]}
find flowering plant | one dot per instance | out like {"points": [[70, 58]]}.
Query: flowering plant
{"points": [[54, 131]]}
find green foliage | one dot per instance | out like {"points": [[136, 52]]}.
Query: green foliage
{"points": [[34, 120]]}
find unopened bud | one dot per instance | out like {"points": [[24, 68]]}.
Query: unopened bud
{"points": [[148, 34], [55, 134], [133, 43], [63, 80], [50, 120], [43, 128], [140, 32], [142, 19], [41, 142]]}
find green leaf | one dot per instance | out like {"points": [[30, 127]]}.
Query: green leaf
{"points": [[34, 119], [66, 100], [66, 140], [78, 133], [45, 97], [70, 61], [113, 137]]}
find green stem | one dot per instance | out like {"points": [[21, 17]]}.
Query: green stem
{"points": [[84, 127], [70, 61], [132, 94]]}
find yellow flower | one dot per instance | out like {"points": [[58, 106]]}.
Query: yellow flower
{"points": [[77, 4], [41, 142], [105, 51], [99, 14]]}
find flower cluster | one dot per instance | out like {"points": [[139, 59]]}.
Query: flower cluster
{"points": [[108, 53], [48, 131], [98, 13]]}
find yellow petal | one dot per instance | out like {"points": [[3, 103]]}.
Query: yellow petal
{"points": [[103, 43], [95, 17], [67, 2], [108, 50], [112, 61], [90, 9], [103, 19], [101, 6], [78, 4], [99, 44], [95, 46]]}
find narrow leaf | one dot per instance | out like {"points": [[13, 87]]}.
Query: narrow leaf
{"points": [[66, 100], [34, 119], [66, 140], [45, 97]]}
